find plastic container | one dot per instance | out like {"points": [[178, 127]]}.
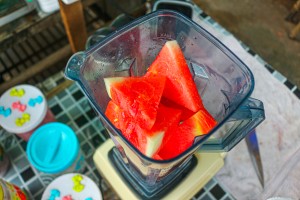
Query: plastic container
{"points": [[48, 6], [4, 162], [224, 82], [72, 186], [9, 191], [54, 149], [23, 108]]}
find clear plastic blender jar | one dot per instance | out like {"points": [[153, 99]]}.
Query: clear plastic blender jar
{"points": [[224, 82]]}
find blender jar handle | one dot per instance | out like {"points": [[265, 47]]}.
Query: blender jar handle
{"points": [[249, 115]]}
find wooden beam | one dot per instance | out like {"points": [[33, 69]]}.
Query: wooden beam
{"points": [[73, 19], [38, 68]]}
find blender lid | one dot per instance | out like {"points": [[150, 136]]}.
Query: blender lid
{"points": [[53, 148]]}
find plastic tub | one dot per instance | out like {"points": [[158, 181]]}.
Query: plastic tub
{"points": [[72, 186], [54, 149], [23, 108]]}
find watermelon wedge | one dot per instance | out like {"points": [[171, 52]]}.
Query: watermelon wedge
{"points": [[160, 113], [183, 137], [151, 140], [137, 96], [180, 86], [186, 113]]}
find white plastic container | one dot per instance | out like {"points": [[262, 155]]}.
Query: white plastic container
{"points": [[23, 108], [72, 186]]}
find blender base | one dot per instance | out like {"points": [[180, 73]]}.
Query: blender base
{"points": [[141, 187], [208, 164]]}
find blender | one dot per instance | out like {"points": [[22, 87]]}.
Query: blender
{"points": [[223, 81]]}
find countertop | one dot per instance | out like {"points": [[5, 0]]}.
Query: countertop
{"points": [[278, 135]]}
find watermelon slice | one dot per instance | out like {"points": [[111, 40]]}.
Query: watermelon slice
{"points": [[186, 113], [151, 140], [180, 86], [137, 96], [183, 137], [112, 112], [160, 113], [122, 121]]}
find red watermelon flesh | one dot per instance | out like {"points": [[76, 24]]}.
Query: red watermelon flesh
{"points": [[186, 113], [160, 113], [180, 86], [137, 96], [121, 120], [151, 140], [112, 112], [183, 137]]}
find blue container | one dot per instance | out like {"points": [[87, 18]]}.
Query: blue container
{"points": [[54, 148]]}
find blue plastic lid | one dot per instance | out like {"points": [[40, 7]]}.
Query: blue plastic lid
{"points": [[52, 148]]}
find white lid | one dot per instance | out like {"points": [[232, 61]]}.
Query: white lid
{"points": [[33, 104], [64, 185]]}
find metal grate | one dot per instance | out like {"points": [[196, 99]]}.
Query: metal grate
{"points": [[22, 56], [26, 53]]}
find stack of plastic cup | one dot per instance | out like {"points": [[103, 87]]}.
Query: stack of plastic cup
{"points": [[54, 149], [72, 186], [23, 108], [9, 191]]}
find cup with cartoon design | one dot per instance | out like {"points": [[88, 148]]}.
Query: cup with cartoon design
{"points": [[23, 109]]}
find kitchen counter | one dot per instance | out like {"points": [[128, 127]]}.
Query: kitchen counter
{"points": [[278, 135]]}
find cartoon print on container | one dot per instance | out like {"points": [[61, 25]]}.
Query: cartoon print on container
{"points": [[78, 187], [18, 106], [5, 112], [17, 92], [21, 121], [33, 101]]}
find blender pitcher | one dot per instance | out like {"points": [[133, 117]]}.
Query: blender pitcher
{"points": [[223, 81]]}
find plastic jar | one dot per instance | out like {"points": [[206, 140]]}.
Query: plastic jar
{"points": [[9, 191], [72, 186], [54, 148], [23, 108], [48, 6]]}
